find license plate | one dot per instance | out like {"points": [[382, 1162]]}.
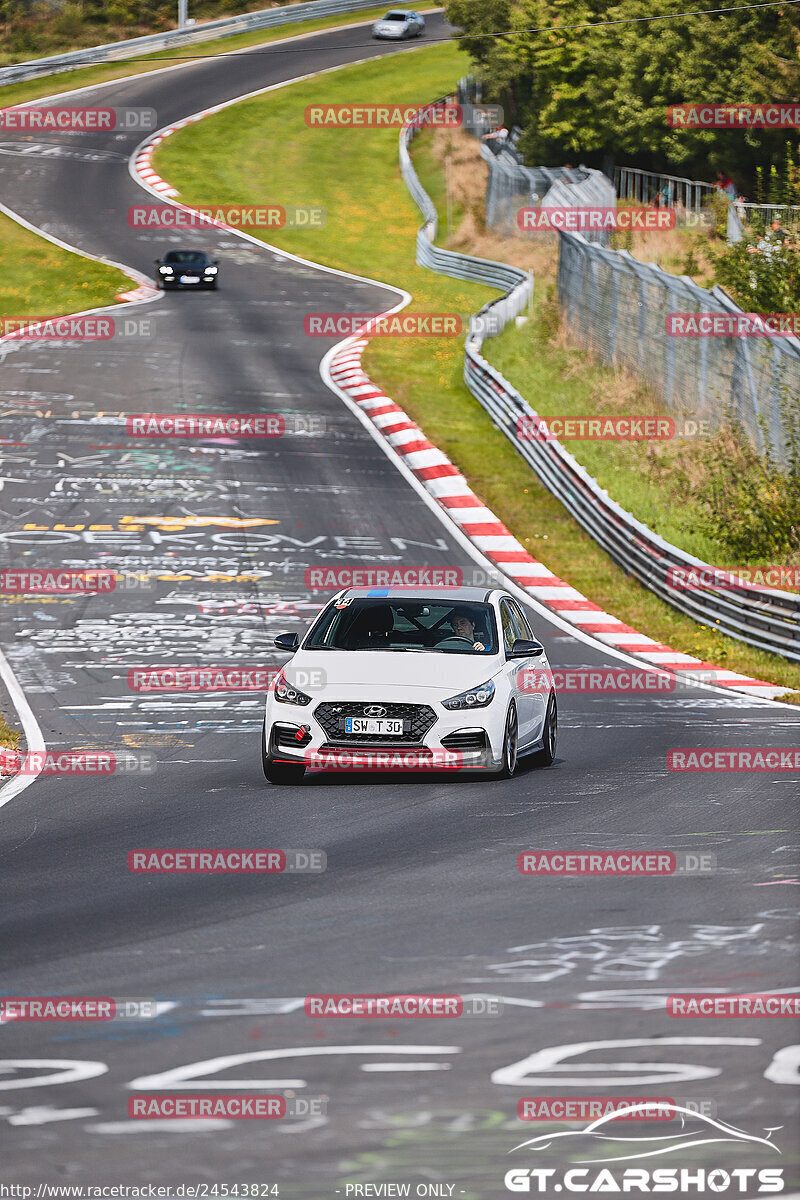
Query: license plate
{"points": [[390, 725], [189, 279]]}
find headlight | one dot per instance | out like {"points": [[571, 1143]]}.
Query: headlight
{"points": [[165, 270], [286, 694], [210, 271], [477, 697]]}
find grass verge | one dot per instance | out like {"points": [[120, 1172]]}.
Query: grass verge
{"points": [[241, 155], [39, 279], [9, 738]]}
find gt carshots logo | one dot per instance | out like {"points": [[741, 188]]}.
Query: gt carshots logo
{"points": [[602, 1137], [681, 1180]]}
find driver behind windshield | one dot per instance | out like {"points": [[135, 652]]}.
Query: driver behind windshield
{"points": [[463, 626]]}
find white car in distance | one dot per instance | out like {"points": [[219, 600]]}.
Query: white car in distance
{"points": [[455, 675], [399, 23]]}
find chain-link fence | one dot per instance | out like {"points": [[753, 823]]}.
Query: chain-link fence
{"points": [[618, 308], [512, 186]]}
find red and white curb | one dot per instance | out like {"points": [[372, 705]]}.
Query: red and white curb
{"points": [[445, 483], [144, 167]]}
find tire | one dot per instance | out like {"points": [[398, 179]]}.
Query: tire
{"points": [[546, 756], [285, 773], [510, 745], [212, 287]]}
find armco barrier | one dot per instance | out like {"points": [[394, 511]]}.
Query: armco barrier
{"points": [[769, 621], [171, 38]]}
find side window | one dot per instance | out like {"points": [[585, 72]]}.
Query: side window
{"points": [[522, 623], [509, 628]]}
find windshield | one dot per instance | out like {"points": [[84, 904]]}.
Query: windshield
{"points": [[440, 626], [186, 256], [396, 16]]}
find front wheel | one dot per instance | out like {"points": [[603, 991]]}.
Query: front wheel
{"points": [[546, 756], [276, 772], [510, 745]]}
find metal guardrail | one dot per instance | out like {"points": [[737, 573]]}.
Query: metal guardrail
{"points": [[634, 184], [153, 42], [768, 619], [787, 214]]}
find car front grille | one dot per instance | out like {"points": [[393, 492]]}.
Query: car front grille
{"points": [[417, 721]]}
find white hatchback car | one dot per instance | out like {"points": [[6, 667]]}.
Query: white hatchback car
{"points": [[399, 23], [395, 677]]}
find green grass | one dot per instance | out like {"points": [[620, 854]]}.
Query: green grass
{"points": [[39, 279], [54, 85], [240, 155], [558, 381], [9, 738]]}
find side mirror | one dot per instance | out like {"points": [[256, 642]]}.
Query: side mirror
{"points": [[526, 649], [287, 641], [216, 262]]}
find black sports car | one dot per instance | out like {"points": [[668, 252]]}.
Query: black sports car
{"points": [[187, 268]]}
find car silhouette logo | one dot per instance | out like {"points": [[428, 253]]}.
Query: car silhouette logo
{"points": [[374, 710]]}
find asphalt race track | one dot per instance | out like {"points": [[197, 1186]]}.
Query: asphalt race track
{"points": [[421, 891]]}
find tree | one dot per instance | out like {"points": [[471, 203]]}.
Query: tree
{"points": [[604, 89]]}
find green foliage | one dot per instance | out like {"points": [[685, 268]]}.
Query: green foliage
{"points": [[774, 190], [718, 203], [581, 94], [751, 505], [761, 272]]}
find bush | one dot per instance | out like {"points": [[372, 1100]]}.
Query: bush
{"points": [[762, 272], [752, 505]]}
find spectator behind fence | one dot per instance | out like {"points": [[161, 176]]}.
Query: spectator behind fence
{"points": [[498, 137]]}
